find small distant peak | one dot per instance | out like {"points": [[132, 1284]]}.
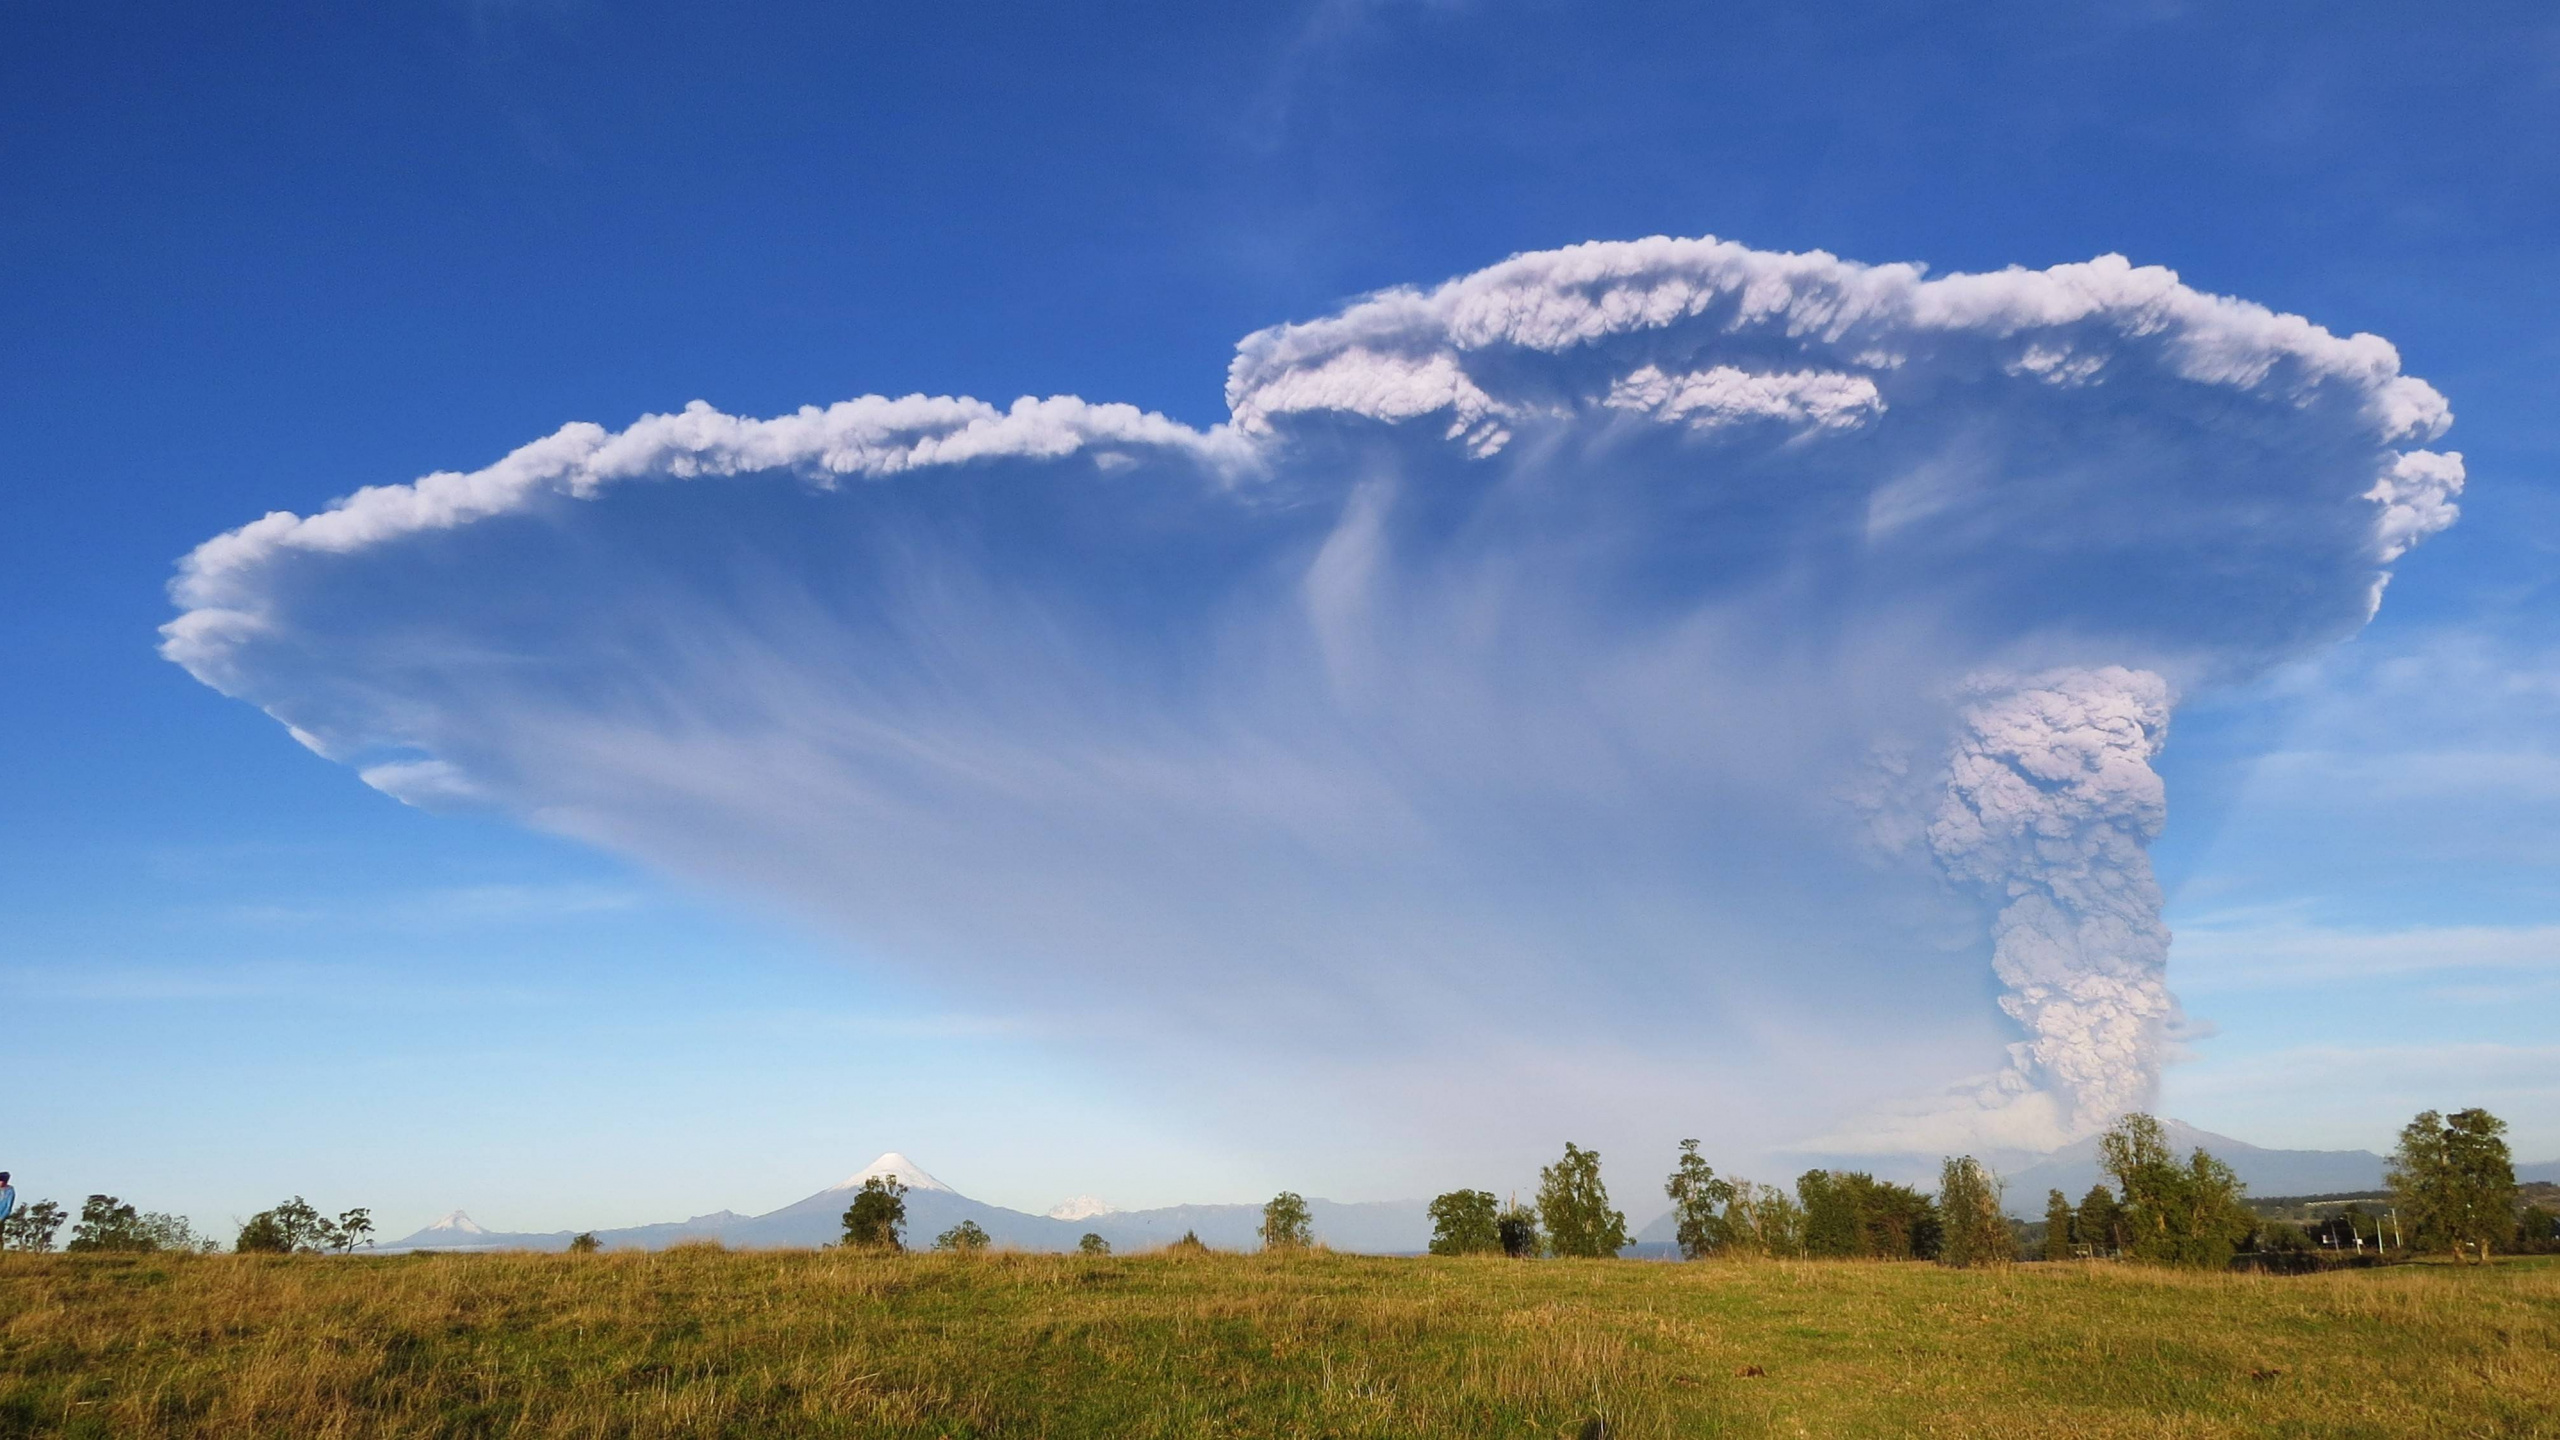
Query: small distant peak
{"points": [[458, 1223], [899, 1168], [1082, 1207]]}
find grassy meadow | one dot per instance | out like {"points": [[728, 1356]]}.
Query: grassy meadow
{"points": [[704, 1342]]}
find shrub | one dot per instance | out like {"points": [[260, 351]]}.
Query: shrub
{"points": [[966, 1238]]}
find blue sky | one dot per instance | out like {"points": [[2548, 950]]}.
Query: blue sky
{"points": [[257, 260]]}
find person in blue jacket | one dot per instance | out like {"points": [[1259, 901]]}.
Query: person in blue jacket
{"points": [[8, 1196]]}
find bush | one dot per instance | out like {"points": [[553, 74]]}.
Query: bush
{"points": [[31, 1227], [966, 1238], [585, 1243], [1093, 1244]]}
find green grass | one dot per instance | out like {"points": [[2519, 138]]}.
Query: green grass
{"points": [[702, 1342]]}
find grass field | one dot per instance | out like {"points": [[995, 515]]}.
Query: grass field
{"points": [[701, 1342]]}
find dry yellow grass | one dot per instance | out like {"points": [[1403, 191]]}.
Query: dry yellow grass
{"points": [[694, 1343]]}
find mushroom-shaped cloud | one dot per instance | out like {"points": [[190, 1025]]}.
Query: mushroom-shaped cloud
{"points": [[1684, 646]]}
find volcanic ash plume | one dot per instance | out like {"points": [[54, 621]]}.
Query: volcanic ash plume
{"points": [[1468, 710], [2051, 805]]}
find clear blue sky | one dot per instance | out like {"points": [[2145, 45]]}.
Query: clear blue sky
{"points": [[254, 257]]}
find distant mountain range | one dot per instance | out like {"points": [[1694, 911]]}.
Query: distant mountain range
{"points": [[1392, 1227], [1387, 1227], [2074, 1168]]}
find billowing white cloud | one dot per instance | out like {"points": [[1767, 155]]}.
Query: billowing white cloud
{"points": [[1714, 662]]}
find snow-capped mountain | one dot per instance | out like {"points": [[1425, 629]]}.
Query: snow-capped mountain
{"points": [[896, 1167], [455, 1223], [1081, 1207]]}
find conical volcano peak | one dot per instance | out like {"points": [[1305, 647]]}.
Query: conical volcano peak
{"points": [[458, 1222], [899, 1168]]}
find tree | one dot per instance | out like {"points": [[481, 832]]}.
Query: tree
{"points": [[2100, 1221], [2536, 1229], [173, 1232], [2057, 1225], [1977, 1234], [2455, 1182], [1850, 1214], [877, 1214], [967, 1238], [1465, 1222], [1093, 1244], [1189, 1244], [1762, 1220], [108, 1224], [1286, 1224], [585, 1243], [1575, 1206], [292, 1228], [2189, 1215], [355, 1230], [1517, 1228], [1695, 1194], [31, 1227]]}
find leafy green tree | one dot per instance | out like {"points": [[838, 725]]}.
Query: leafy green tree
{"points": [[1849, 1214], [877, 1215], [2189, 1215], [1093, 1244], [585, 1243], [2100, 1221], [1696, 1193], [1575, 1206], [1465, 1222], [2454, 1181], [2283, 1237], [2057, 1225], [108, 1224], [2536, 1229], [355, 1230], [1833, 1226], [1517, 1228], [31, 1227], [1977, 1234], [292, 1228], [1286, 1224], [967, 1237]]}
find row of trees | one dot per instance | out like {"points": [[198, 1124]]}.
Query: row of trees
{"points": [[1833, 1213], [2452, 1180], [107, 1224]]}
